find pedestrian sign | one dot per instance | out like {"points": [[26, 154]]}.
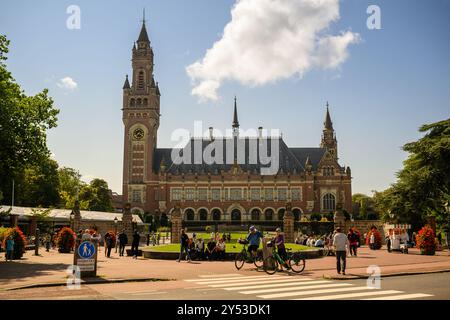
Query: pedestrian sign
{"points": [[86, 250]]}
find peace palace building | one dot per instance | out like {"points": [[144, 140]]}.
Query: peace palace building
{"points": [[311, 179]]}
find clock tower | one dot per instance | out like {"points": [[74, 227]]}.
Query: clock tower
{"points": [[141, 120]]}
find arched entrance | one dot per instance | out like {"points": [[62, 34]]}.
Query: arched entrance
{"points": [[216, 214], [235, 216], [268, 215], [189, 214], [297, 214], [203, 214], [255, 214], [281, 213]]}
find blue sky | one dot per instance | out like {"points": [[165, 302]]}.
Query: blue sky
{"points": [[394, 80]]}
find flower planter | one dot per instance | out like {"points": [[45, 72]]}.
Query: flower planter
{"points": [[427, 252]]}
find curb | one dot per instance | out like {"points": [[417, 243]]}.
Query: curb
{"points": [[86, 281], [387, 275]]}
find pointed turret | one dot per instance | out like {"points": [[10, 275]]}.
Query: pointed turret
{"points": [[328, 123], [126, 85], [143, 36]]}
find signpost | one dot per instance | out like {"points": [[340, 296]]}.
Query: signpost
{"points": [[86, 258]]}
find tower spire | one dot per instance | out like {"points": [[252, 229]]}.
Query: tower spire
{"points": [[235, 115], [328, 123], [143, 36]]}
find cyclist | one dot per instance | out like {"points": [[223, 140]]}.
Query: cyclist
{"points": [[254, 238], [279, 242]]}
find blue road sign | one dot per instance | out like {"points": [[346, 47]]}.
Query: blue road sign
{"points": [[86, 250]]}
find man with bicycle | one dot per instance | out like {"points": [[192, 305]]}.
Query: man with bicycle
{"points": [[254, 238]]}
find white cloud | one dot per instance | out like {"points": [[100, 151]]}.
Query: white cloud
{"points": [[67, 83], [269, 40]]}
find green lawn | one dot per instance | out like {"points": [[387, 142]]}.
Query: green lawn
{"points": [[232, 248]]}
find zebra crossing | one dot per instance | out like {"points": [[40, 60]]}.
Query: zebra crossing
{"points": [[298, 288]]}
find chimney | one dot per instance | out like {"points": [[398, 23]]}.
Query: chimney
{"points": [[260, 129], [211, 136]]}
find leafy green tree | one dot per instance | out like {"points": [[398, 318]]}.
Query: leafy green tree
{"points": [[423, 185], [96, 196], [37, 185], [70, 185], [24, 121]]}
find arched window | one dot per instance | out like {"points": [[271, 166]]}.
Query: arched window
{"points": [[268, 214], [329, 202], [216, 215], [297, 213], [141, 80], [255, 214], [132, 102], [203, 214], [189, 214], [236, 215], [281, 213]]}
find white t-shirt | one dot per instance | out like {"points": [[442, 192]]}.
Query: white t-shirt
{"points": [[340, 241]]}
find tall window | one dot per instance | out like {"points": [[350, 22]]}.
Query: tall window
{"points": [[268, 194], [282, 194], [141, 80], [202, 194], [176, 194], [255, 194], [296, 194], [235, 194], [215, 194], [329, 202], [190, 193], [137, 196], [328, 171]]}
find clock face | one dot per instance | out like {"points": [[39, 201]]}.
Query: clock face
{"points": [[138, 134]]}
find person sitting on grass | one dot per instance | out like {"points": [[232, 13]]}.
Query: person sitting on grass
{"points": [[220, 249], [210, 250], [319, 243]]}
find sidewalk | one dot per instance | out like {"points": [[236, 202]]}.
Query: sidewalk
{"points": [[51, 267]]}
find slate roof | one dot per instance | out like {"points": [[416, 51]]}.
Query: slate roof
{"points": [[290, 159], [143, 36]]}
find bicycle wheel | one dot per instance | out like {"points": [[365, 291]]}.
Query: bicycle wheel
{"points": [[297, 263], [259, 260], [270, 265], [239, 260]]}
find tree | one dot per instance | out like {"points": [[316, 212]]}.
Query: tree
{"points": [[423, 184], [37, 185], [24, 121], [96, 196], [69, 186]]}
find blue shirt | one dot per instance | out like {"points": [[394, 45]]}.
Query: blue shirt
{"points": [[254, 238], [10, 245]]}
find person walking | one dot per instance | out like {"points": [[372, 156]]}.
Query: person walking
{"points": [[340, 243], [109, 241], [123, 241], [135, 244], [353, 241], [9, 249], [184, 246]]}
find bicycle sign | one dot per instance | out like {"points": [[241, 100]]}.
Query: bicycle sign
{"points": [[86, 250]]}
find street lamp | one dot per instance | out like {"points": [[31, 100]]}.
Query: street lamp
{"points": [[115, 230]]}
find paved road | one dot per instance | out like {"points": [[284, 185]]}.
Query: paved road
{"points": [[253, 287]]}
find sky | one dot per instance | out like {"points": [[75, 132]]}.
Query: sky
{"points": [[283, 59]]}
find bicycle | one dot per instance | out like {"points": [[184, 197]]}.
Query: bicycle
{"points": [[295, 261], [246, 256]]}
